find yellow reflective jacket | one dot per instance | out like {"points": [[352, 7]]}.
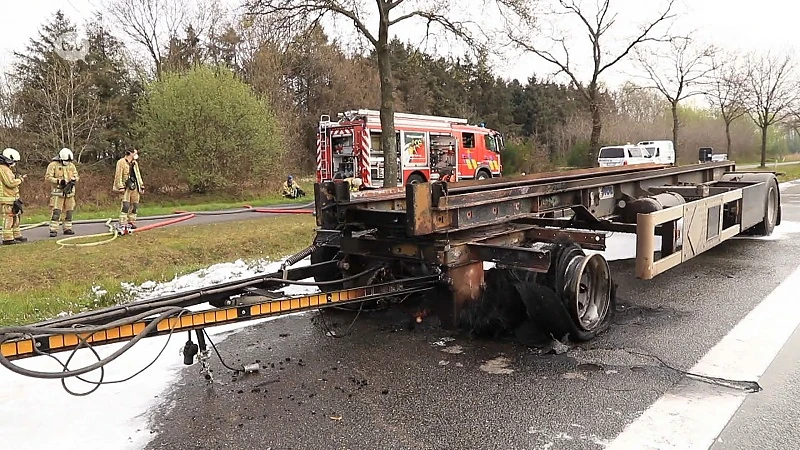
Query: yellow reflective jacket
{"points": [[56, 171], [123, 172], [289, 190], [9, 185]]}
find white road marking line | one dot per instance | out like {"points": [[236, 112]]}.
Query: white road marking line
{"points": [[692, 414]]}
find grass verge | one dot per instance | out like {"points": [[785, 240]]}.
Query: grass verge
{"points": [[788, 172], [41, 281], [196, 203]]}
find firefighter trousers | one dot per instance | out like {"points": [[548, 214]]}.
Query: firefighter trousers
{"points": [[11, 229], [59, 204], [130, 206]]}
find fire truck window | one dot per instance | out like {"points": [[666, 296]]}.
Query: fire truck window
{"points": [[375, 142], [469, 140], [491, 144]]}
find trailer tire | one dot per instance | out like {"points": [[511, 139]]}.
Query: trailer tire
{"points": [[550, 299], [772, 210], [324, 254]]}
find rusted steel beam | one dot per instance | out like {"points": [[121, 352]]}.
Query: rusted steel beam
{"points": [[568, 223], [465, 284], [590, 240], [533, 259], [455, 200]]}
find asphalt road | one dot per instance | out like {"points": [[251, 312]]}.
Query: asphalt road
{"points": [[204, 217], [388, 385]]}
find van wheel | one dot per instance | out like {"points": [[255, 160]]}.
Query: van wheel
{"points": [[483, 175]]}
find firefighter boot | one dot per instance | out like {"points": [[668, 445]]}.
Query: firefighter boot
{"points": [[68, 222], [21, 239], [53, 233]]}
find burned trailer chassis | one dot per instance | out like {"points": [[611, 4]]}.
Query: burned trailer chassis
{"points": [[537, 227], [432, 239]]}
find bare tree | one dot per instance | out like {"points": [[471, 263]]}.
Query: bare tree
{"points": [[772, 92], [726, 93], [385, 16], [677, 73], [598, 20], [152, 23]]}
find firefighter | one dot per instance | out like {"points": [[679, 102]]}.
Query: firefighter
{"points": [[128, 182], [354, 182], [10, 203], [62, 175], [292, 189]]}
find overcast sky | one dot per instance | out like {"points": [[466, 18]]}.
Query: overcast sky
{"points": [[731, 24]]}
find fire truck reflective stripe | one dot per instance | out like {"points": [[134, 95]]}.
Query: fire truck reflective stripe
{"points": [[366, 175], [188, 321]]}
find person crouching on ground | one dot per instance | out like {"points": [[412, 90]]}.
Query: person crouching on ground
{"points": [[291, 189], [62, 175], [128, 182]]}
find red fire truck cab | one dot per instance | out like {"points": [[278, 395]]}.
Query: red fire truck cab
{"points": [[430, 148]]}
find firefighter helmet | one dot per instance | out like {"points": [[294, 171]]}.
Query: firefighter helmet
{"points": [[65, 154], [11, 154]]}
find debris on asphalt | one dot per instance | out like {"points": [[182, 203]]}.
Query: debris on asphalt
{"points": [[454, 350], [336, 417], [443, 341], [589, 367], [444, 363], [573, 376], [555, 346], [497, 366]]}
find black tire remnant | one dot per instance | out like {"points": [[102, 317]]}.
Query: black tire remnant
{"points": [[530, 305]]}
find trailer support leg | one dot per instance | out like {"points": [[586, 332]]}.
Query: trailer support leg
{"points": [[466, 283]]}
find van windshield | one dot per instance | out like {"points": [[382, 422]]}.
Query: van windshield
{"points": [[612, 152]]}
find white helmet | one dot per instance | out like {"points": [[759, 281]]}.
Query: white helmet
{"points": [[11, 154], [65, 154]]}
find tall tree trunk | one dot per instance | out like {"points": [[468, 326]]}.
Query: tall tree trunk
{"points": [[388, 142], [675, 126], [597, 128], [728, 139], [764, 145]]}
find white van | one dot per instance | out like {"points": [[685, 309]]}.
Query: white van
{"points": [[661, 152], [622, 155]]}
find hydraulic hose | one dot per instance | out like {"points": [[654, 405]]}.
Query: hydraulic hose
{"points": [[164, 223], [67, 242]]}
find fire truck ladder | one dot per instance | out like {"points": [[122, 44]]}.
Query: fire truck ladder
{"points": [[323, 156]]}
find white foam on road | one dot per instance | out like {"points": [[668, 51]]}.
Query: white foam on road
{"points": [[115, 416], [692, 414]]}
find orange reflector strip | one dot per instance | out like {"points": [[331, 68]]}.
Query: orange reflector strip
{"points": [[25, 347]]}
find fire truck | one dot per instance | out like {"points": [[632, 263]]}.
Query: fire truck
{"points": [[430, 148]]}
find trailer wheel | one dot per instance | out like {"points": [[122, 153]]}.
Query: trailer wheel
{"points": [[584, 285], [575, 298], [771, 210]]}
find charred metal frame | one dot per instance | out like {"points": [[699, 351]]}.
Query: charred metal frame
{"points": [[459, 226]]}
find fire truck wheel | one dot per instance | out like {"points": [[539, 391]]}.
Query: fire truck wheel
{"points": [[415, 178], [483, 175]]}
